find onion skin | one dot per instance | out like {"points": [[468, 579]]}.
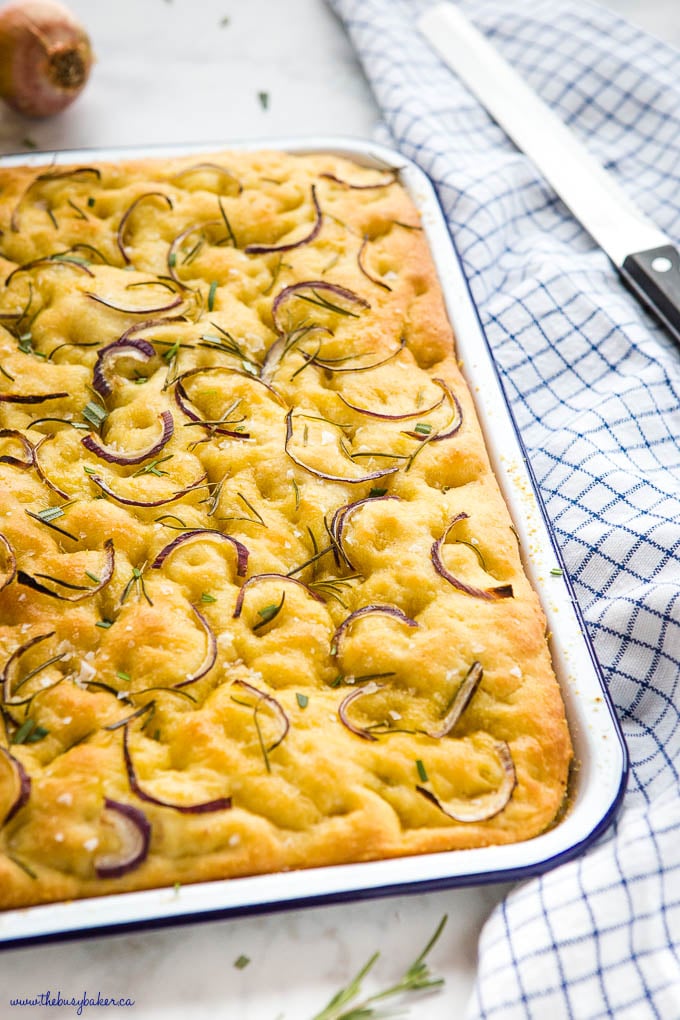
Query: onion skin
{"points": [[45, 57]]}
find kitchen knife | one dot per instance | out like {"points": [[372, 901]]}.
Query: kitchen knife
{"points": [[643, 255]]}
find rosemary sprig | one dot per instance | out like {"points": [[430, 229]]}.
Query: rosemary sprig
{"points": [[416, 978], [136, 582], [152, 467], [48, 515]]}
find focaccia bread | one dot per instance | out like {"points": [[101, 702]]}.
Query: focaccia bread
{"points": [[262, 605]]}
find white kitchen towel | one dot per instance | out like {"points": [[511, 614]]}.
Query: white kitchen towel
{"points": [[594, 385]]}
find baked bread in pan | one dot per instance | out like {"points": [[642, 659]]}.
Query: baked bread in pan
{"points": [[262, 605]]}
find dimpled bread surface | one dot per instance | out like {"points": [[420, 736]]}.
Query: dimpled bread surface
{"points": [[222, 688]]}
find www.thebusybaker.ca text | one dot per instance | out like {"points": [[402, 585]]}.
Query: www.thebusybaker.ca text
{"points": [[78, 1003]]}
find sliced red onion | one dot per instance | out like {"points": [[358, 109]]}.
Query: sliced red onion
{"points": [[397, 613], [341, 516], [134, 834], [459, 703], [20, 777], [487, 805], [501, 591], [92, 443], [278, 349], [176, 242], [327, 366], [264, 249], [362, 267], [30, 581], [126, 501], [24, 443], [455, 422], [51, 175], [324, 474], [6, 677], [274, 705], [138, 350], [10, 571], [184, 401], [31, 398], [393, 174], [314, 285], [135, 311], [391, 417], [120, 236], [50, 260], [39, 470], [220, 804], [358, 692], [266, 577], [241, 550], [197, 167], [210, 657]]}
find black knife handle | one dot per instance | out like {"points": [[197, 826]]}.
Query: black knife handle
{"points": [[654, 278]]}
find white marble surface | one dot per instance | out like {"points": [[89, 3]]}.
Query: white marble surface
{"points": [[178, 71]]}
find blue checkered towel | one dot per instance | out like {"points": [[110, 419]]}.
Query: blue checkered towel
{"points": [[595, 388]]}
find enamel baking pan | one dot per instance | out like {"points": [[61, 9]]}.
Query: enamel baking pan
{"points": [[598, 779]]}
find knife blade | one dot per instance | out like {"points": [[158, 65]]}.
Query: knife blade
{"points": [[646, 259]]}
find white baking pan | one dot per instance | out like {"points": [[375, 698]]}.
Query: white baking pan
{"points": [[601, 763]]}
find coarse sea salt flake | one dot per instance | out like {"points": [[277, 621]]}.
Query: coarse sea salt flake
{"points": [[91, 844], [65, 798]]}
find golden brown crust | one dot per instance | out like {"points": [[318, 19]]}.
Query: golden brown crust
{"points": [[165, 243]]}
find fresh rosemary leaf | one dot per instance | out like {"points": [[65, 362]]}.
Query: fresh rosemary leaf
{"points": [[211, 295], [50, 513], [302, 700], [207, 597], [270, 612], [95, 414], [241, 961], [264, 100], [29, 733], [152, 467], [422, 772]]}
